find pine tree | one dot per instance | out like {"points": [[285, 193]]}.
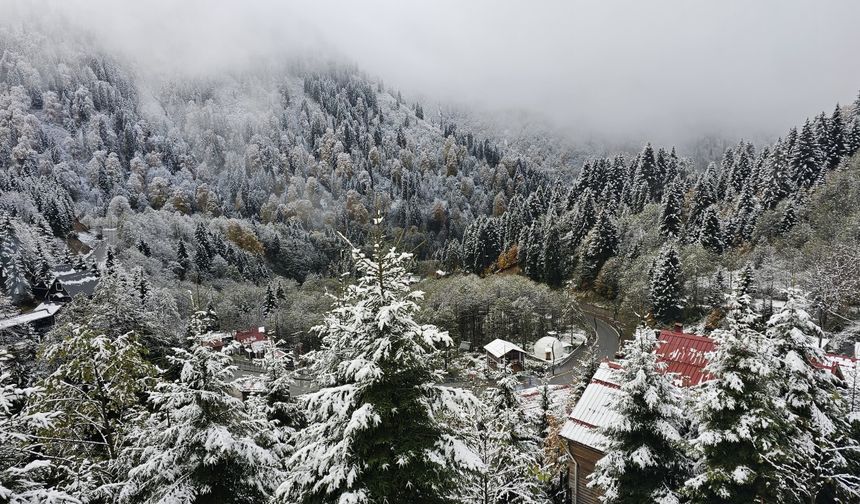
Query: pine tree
{"points": [[835, 139], [507, 444], [270, 302], [774, 183], [670, 218], [644, 460], [711, 234], [199, 444], [824, 452], [741, 431], [15, 273], [601, 244], [805, 158], [376, 430], [182, 260], [666, 285], [551, 260]]}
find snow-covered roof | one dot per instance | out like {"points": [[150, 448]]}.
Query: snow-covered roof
{"points": [[499, 347], [593, 412], [83, 282], [685, 356], [849, 368], [42, 311]]}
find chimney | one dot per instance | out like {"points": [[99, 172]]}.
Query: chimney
{"points": [[679, 327]]}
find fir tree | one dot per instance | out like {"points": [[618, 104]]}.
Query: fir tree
{"points": [[507, 445], [711, 233], [644, 460], [824, 451], [741, 431], [836, 147], [199, 444], [182, 260], [670, 217], [666, 285], [270, 302], [805, 158], [601, 244], [376, 430], [551, 260]]}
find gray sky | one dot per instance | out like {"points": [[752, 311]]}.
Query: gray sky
{"points": [[637, 69]]}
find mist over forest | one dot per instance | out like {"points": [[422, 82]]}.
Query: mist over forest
{"points": [[377, 251]]}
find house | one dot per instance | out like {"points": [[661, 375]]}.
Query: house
{"points": [[551, 349], [685, 358], [65, 284], [41, 317], [848, 369], [501, 352], [254, 341]]}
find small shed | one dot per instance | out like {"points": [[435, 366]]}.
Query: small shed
{"points": [[504, 352], [550, 349]]}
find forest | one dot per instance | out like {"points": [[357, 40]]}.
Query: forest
{"points": [[378, 243]]}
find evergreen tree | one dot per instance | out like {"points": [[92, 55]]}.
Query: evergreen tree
{"points": [[551, 260], [711, 234], [644, 460], [805, 158], [376, 430], [508, 446], [836, 147], [666, 285], [670, 217], [270, 303], [15, 274], [601, 244], [199, 445], [774, 183], [182, 260], [741, 429], [824, 452]]}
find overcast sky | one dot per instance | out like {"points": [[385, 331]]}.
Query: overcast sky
{"points": [[653, 69]]}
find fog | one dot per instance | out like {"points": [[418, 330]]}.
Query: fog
{"points": [[662, 70]]}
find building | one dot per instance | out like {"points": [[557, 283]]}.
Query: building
{"points": [[65, 284], [685, 358], [42, 317], [551, 349], [505, 353]]}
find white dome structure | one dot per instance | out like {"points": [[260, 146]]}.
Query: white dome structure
{"points": [[549, 348]]}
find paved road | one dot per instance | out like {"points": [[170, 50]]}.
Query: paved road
{"points": [[603, 337]]}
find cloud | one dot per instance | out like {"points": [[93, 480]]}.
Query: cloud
{"points": [[663, 70]]}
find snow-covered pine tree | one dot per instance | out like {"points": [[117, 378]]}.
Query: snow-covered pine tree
{"points": [[15, 274], [666, 286], [601, 244], [377, 430], [670, 217], [836, 147], [551, 260], [508, 444], [270, 302], [644, 459], [200, 443], [805, 158], [24, 468], [824, 451], [182, 260], [94, 390], [711, 232], [742, 432]]}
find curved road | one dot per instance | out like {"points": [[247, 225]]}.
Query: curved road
{"points": [[603, 337]]}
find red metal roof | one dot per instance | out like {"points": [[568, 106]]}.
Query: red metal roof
{"points": [[251, 335], [684, 355]]}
